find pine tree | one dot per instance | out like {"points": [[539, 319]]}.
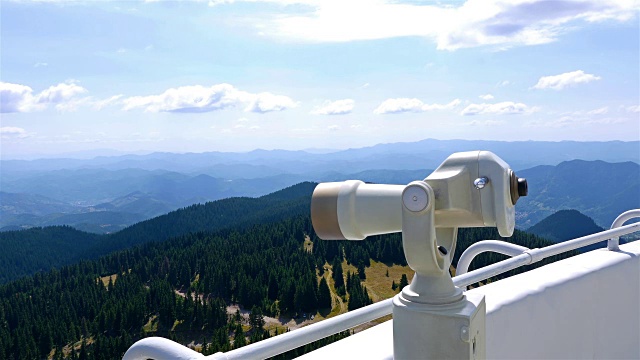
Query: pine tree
{"points": [[403, 281], [338, 279], [361, 273], [337, 275], [238, 338], [83, 351], [256, 319], [324, 294]]}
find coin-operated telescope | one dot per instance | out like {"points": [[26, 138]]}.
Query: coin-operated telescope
{"points": [[469, 189]]}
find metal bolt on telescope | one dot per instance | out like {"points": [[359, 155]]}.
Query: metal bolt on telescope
{"points": [[432, 318]]}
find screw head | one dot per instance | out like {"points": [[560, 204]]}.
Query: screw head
{"points": [[480, 182]]}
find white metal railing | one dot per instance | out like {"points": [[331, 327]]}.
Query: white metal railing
{"points": [[534, 255], [514, 250], [480, 247], [612, 244], [161, 349]]}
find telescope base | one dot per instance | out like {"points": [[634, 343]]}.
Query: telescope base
{"points": [[448, 331]]}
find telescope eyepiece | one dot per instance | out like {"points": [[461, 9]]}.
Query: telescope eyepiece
{"points": [[519, 187]]}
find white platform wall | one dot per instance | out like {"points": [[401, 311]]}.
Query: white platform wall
{"points": [[584, 307]]}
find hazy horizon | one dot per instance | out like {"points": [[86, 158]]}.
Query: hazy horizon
{"points": [[105, 152]]}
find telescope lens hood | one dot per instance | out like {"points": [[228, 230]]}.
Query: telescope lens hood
{"points": [[324, 211]]}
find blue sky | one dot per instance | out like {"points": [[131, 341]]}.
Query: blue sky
{"points": [[295, 74]]}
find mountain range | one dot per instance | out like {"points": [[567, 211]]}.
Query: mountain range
{"points": [[425, 154], [108, 193]]}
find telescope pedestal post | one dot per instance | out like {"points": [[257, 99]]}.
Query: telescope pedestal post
{"points": [[432, 319]]}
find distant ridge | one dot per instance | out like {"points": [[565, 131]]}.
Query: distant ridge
{"points": [[565, 225]]}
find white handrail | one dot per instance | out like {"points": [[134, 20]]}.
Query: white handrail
{"points": [[147, 349], [160, 349], [535, 255], [308, 334], [613, 243], [478, 248]]}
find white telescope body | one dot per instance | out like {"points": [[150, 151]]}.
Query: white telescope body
{"points": [[353, 210], [469, 189]]}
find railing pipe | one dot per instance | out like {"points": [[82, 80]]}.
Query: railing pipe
{"points": [[569, 245], [613, 243], [478, 248], [498, 268], [300, 337], [143, 349], [535, 255], [158, 348]]}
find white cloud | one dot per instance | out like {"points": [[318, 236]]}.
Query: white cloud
{"points": [[503, 83], [451, 105], [582, 117], [578, 120], [20, 98], [400, 105], [486, 97], [39, 64], [15, 97], [473, 23], [113, 100], [13, 133], [634, 109], [485, 123], [58, 94], [333, 128], [189, 99], [501, 108], [559, 82], [197, 98], [600, 111], [338, 107], [10, 130], [266, 102]]}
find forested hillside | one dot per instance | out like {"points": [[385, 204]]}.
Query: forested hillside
{"points": [[28, 251], [40, 249], [178, 289], [271, 264]]}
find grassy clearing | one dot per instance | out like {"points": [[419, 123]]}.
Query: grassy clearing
{"points": [[66, 350], [105, 279], [272, 328], [151, 325], [308, 244], [378, 284]]}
